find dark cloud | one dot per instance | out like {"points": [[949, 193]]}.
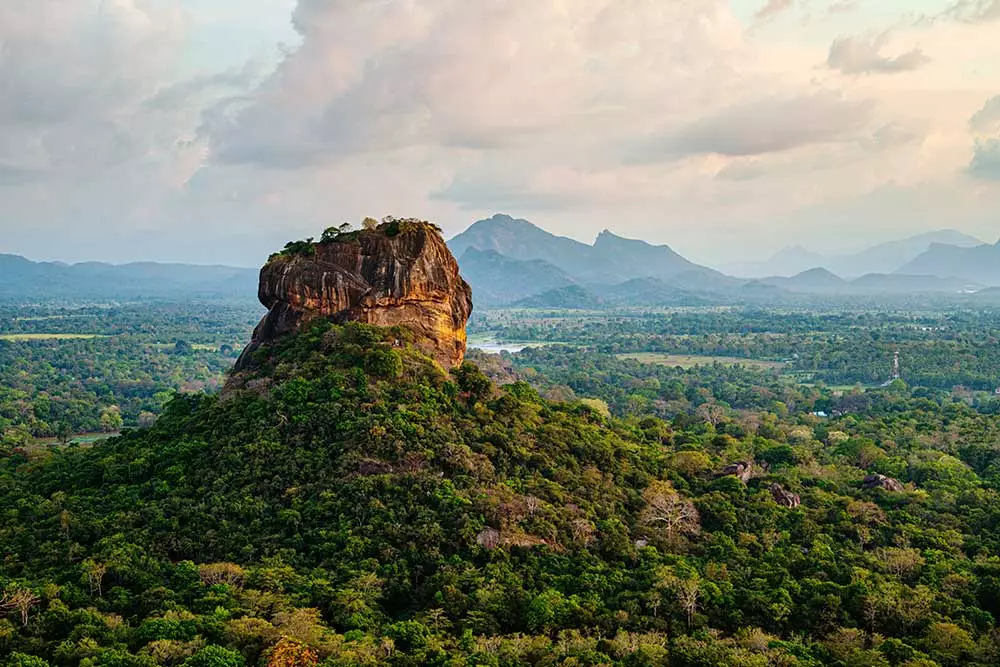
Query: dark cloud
{"points": [[860, 55], [986, 160], [769, 125]]}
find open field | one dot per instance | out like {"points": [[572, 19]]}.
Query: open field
{"points": [[48, 336], [692, 360]]}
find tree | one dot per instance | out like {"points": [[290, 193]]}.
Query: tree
{"points": [[215, 656], [20, 600], [369, 224], [64, 432], [111, 419], [667, 511]]}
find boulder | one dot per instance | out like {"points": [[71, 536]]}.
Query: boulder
{"points": [[743, 470], [876, 481], [785, 498]]}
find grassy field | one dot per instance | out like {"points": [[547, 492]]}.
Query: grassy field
{"points": [[47, 336], [692, 360]]}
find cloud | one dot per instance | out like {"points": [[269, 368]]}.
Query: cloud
{"points": [[73, 76], [974, 11], [377, 77], [773, 8], [987, 119], [986, 160], [768, 125], [860, 55]]}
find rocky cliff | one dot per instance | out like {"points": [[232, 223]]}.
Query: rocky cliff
{"points": [[399, 273]]}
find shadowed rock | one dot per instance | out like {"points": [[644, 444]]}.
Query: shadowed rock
{"points": [[785, 498], [742, 470], [399, 273], [876, 481]]}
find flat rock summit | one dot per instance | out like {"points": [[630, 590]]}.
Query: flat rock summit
{"points": [[399, 272]]}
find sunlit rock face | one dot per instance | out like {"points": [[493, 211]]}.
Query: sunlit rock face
{"points": [[399, 273]]}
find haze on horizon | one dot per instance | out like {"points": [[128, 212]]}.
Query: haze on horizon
{"points": [[211, 131]]}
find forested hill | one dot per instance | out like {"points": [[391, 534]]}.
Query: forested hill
{"points": [[348, 503]]}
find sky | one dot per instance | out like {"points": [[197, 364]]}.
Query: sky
{"points": [[213, 131]]}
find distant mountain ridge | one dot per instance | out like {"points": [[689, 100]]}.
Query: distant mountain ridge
{"points": [[979, 264], [610, 260], [21, 278], [884, 258]]}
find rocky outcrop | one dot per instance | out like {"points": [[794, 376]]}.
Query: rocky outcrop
{"points": [[398, 273], [742, 470], [876, 481], [785, 498]]}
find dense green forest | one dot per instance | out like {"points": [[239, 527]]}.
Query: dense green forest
{"points": [[69, 370], [940, 349], [349, 503]]}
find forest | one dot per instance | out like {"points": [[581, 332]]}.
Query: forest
{"points": [[350, 503]]}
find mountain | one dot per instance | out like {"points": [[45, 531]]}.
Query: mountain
{"points": [[890, 257], [882, 258], [980, 264], [21, 278], [610, 260], [500, 280]]}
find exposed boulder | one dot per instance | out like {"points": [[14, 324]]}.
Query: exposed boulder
{"points": [[785, 498], [398, 273], [742, 470], [876, 481]]}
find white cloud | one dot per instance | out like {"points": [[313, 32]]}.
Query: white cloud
{"points": [[674, 120], [863, 55]]}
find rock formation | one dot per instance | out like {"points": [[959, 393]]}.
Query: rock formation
{"points": [[742, 470], [876, 481], [785, 498], [398, 273]]}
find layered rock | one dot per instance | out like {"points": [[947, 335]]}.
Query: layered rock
{"points": [[399, 273]]}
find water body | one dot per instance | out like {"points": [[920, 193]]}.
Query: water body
{"points": [[495, 347]]}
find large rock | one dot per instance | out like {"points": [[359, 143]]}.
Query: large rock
{"points": [[785, 498], [400, 273], [876, 481]]}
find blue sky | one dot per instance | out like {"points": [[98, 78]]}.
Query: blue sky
{"points": [[211, 131]]}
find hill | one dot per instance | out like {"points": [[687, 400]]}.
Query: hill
{"points": [[349, 502], [22, 279], [980, 264], [813, 280]]}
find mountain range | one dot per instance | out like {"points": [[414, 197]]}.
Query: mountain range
{"points": [[510, 261], [21, 278], [890, 257]]}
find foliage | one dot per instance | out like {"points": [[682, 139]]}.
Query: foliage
{"points": [[350, 504]]}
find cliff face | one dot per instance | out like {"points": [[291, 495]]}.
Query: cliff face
{"points": [[400, 273]]}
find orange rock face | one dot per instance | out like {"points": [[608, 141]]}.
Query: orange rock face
{"points": [[400, 273]]}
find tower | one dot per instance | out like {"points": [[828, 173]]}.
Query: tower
{"points": [[895, 366]]}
